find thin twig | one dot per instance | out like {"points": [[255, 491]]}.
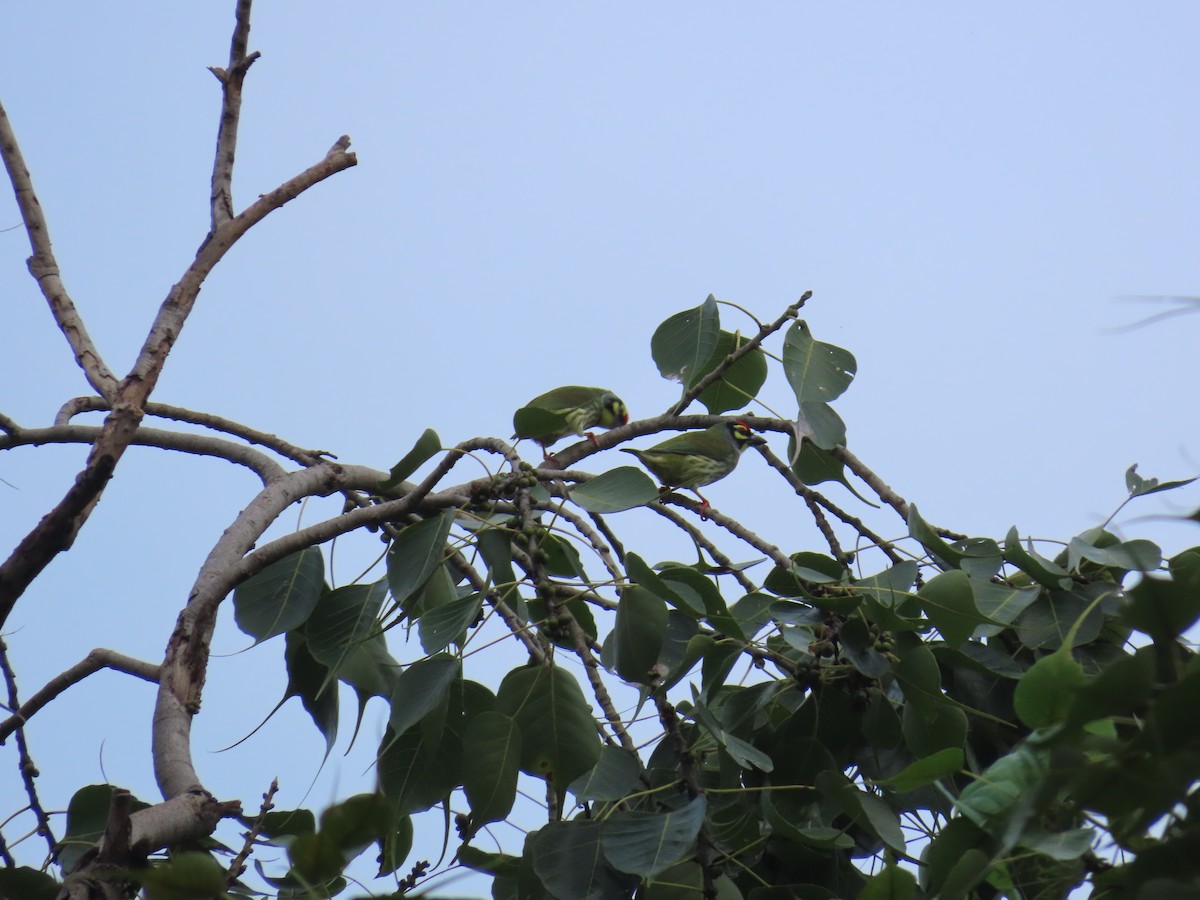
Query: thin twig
{"points": [[231, 105], [691, 782], [238, 864], [811, 496], [44, 267], [877, 484], [25, 763], [763, 333]]}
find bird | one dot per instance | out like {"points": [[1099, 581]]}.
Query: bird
{"points": [[696, 458], [572, 409]]}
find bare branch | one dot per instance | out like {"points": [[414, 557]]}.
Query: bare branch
{"points": [[57, 530], [100, 658], [877, 484], [763, 333], [7, 425], [198, 444], [78, 405], [815, 497], [185, 666], [44, 267], [231, 80], [25, 763], [238, 864]]}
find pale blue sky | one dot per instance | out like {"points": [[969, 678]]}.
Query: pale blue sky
{"points": [[965, 187]]}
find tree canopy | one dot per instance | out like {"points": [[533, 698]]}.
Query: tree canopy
{"points": [[936, 715]]}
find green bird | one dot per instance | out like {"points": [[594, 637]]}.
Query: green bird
{"points": [[569, 410], [696, 458]]}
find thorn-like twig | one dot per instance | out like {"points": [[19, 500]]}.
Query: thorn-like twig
{"points": [[238, 864], [25, 763]]}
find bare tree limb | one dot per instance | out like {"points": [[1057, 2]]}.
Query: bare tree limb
{"points": [[78, 405], [231, 80], [57, 530], [100, 658], [44, 267], [197, 444]]}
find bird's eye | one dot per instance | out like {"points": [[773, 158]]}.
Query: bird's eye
{"points": [[741, 431]]}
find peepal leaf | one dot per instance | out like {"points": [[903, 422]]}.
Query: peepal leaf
{"points": [[281, 597], [616, 490], [740, 383], [414, 555], [649, 843], [1140, 487], [558, 733], [685, 342], [423, 450], [815, 370]]}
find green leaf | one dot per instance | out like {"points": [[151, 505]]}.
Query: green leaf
{"points": [[423, 450], [448, 623], [950, 606], [87, 814], [567, 857], [1043, 571], [357, 822], [1135, 556], [892, 883], [939, 765], [638, 570], [946, 556], [615, 490], [816, 466], [421, 688], [415, 553], [1162, 609], [1048, 621], [685, 342], [740, 383], [647, 844], [1001, 604], [344, 619], [1140, 487], [280, 597], [558, 734], [1005, 788], [700, 591], [24, 883], [815, 370], [490, 782], [818, 422], [639, 631], [311, 682], [495, 546], [185, 876], [1044, 695], [868, 810], [614, 775]]}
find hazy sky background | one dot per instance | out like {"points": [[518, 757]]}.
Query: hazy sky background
{"points": [[965, 187]]}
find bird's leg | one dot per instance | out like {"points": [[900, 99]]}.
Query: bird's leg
{"points": [[591, 437], [704, 505]]}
